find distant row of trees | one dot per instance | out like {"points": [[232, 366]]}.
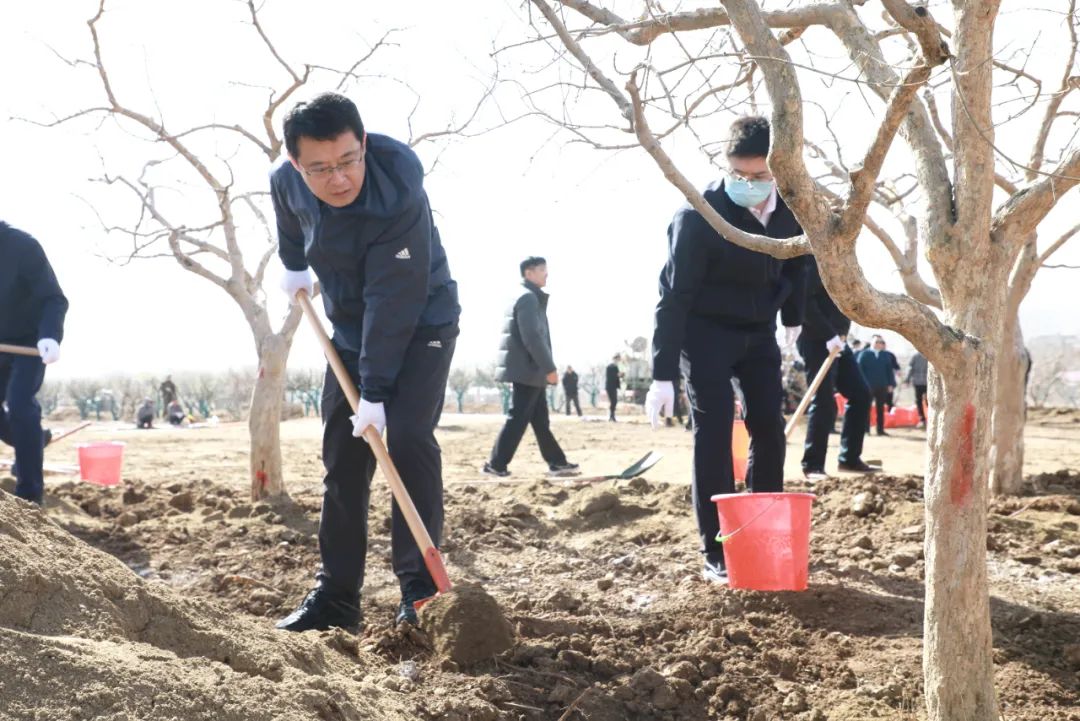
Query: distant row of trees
{"points": [[462, 380]]}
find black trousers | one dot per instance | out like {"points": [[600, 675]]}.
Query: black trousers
{"points": [[881, 401], [920, 398], [846, 378], [528, 406], [613, 400], [712, 355], [572, 398], [411, 417], [20, 424]]}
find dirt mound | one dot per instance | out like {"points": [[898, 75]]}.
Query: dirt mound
{"points": [[75, 618], [466, 625]]}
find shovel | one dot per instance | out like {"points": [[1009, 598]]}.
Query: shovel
{"points": [[432, 558]]}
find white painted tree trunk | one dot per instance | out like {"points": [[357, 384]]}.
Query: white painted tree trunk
{"points": [[264, 421], [1010, 413]]}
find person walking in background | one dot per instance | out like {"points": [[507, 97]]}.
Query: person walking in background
{"points": [[918, 370], [32, 310], [168, 395], [879, 368], [612, 384], [823, 333], [526, 362], [570, 389], [894, 366]]}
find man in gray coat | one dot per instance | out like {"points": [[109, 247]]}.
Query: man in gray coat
{"points": [[525, 360], [917, 374]]}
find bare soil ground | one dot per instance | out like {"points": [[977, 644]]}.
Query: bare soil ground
{"points": [[600, 583]]}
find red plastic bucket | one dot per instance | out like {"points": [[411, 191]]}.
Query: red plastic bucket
{"points": [[100, 462], [740, 449], [766, 539]]}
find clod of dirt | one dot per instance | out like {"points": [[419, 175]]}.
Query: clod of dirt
{"points": [[183, 502], [599, 503], [466, 625], [865, 503]]}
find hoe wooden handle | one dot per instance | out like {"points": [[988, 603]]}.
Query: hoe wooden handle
{"points": [[809, 396], [432, 557], [18, 350]]}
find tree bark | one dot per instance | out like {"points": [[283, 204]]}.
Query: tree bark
{"points": [[264, 420], [1010, 413]]}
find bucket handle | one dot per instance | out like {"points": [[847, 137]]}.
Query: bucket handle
{"points": [[721, 538]]}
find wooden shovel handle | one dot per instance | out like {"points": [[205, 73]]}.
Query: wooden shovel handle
{"points": [[809, 396], [432, 557], [18, 350]]}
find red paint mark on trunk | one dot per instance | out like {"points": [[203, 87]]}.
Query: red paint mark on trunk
{"points": [[262, 372], [964, 471], [262, 478]]}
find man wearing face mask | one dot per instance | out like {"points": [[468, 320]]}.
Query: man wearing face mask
{"points": [[716, 320]]}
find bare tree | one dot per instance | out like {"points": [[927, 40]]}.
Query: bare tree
{"points": [[972, 245], [211, 242], [459, 382]]}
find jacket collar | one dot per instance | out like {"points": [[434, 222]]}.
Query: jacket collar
{"points": [[536, 290]]}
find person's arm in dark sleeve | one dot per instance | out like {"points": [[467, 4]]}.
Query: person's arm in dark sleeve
{"points": [[395, 294], [527, 315], [43, 285], [793, 311], [290, 234], [680, 281], [818, 303]]}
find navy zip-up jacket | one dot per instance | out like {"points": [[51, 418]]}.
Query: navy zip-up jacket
{"points": [[381, 264], [707, 275], [823, 319], [32, 306]]}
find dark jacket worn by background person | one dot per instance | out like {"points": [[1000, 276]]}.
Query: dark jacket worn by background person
{"points": [[569, 382], [918, 370], [32, 306], [878, 368], [823, 319], [708, 276], [525, 347], [613, 383], [380, 262]]}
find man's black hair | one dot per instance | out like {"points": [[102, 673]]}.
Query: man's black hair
{"points": [[531, 262], [324, 117], [749, 137]]}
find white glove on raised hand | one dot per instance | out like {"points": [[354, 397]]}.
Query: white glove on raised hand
{"points": [[791, 334], [834, 344], [368, 414], [49, 350], [294, 280], [660, 400]]}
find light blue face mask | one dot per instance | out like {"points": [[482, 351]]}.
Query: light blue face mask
{"points": [[747, 193]]}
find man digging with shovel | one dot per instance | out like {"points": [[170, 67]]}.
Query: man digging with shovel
{"points": [[351, 207]]}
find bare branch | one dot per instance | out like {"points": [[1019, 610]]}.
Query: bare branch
{"points": [[586, 62], [1056, 246], [1038, 150], [1023, 211], [778, 248], [266, 149]]}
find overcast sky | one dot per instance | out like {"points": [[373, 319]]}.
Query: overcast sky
{"points": [[599, 217]]}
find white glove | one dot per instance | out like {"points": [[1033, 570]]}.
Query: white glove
{"points": [[369, 414], [294, 280], [834, 344], [659, 400], [49, 350], [791, 334]]}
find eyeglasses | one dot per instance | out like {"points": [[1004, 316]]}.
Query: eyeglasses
{"points": [[325, 172], [764, 177]]}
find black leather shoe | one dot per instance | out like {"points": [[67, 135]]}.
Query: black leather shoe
{"points": [[415, 591], [564, 469], [858, 467], [321, 610]]}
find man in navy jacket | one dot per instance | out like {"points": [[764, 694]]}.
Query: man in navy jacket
{"points": [[351, 207], [716, 320], [32, 309]]}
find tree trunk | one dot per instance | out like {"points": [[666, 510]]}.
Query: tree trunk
{"points": [[957, 651], [264, 419], [1010, 413]]}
